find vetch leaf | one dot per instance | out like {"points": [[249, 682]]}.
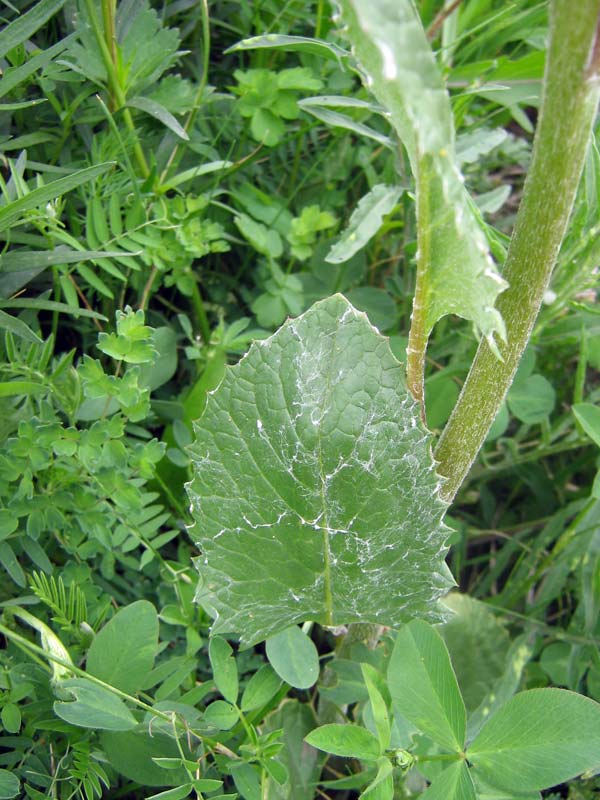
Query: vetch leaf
{"points": [[456, 271], [378, 706], [224, 668], [350, 741], [365, 221], [261, 688], [337, 120], [423, 685], [294, 657], [123, 653], [454, 783], [538, 739], [93, 707], [315, 495], [9, 785]]}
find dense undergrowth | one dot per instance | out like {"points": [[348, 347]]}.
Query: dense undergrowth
{"points": [[168, 197]]}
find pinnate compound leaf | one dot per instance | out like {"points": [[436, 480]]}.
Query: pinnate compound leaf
{"points": [[123, 652], [400, 69], [538, 739], [350, 741], [423, 685], [365, 221], [454, 783], [314, 492]]}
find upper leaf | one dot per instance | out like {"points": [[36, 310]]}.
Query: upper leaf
{"points": [[315, 494], [400, 69], [539, 739]]}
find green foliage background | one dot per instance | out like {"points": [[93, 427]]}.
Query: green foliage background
{"points": [[168, 196]]}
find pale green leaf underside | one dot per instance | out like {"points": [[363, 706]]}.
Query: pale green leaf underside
{"points": [[540, 738], [314, 491], [423, 685], [389, 42], [365, 221], [453, 784]]}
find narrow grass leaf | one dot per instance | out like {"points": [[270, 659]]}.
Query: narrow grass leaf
{"points": [[19, 30], [12, 212], [18, 328], [365, 221], [160, 113], [298, 44]]}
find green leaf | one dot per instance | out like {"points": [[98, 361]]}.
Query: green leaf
{"points": [[315, 495], [160, 113], [337, 120], [532, 399], [19, 30], [392, 48], [263, 240], [382, 786], [540, 738], [93, 707], [123, 653], [260, 689], [19, 328], [300, 44], [132, 752], [378, 706], [224, 668], [12, 212], [588, 416], [423, 685], [221, 715], [9, 785], [177, 793], [365, 221], [377, 304], [350, 741], [454, 783], [478, 645], [294, 657]]}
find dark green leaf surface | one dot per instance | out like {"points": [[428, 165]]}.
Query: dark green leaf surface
{"points": [[539, 739], [315, 493]]}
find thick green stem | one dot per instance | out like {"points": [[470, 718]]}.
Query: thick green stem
{"points": [[569, 103]]}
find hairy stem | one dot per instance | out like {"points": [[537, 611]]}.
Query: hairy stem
{"points": [[569, 103], [419, 333]]}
